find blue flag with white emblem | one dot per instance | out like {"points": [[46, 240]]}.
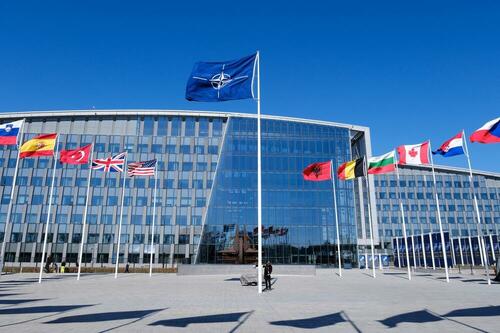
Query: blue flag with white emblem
{"points": [[222, 81]]}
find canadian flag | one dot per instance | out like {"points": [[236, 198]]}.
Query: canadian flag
{"points": [[414, 154]]}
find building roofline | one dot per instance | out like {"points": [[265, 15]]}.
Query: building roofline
{"points": [[156, 112], [452, 168]]}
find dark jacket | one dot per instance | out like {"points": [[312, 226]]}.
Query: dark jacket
{"points": [[268, 269]]}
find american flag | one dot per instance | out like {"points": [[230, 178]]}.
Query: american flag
{"points": [[146, 168], [110, 164]]}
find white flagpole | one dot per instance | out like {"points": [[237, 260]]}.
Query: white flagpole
{"points": [[413, 250], [259, 182], [369, 216], [152, 230], [124, 175], [492, 247], [49, 208], [336, 216], [423, 249], [11, 200], [480, 238], [397, 252], [453, 253], [460, 249], [431, 245], [471, 252], [439, 217], [403, 223], [84, 224]]}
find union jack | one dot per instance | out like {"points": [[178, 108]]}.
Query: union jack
{"points": [[110, 164], [146, 168]]}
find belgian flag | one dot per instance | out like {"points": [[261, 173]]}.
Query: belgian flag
{"points": [[351, 169]]}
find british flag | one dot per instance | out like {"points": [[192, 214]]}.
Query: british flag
{"points": [[146, 168], [110, 164]]}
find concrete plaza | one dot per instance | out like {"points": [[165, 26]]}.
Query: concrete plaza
{"points": [[320, 303]]}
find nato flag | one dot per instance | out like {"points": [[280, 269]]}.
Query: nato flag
{"points": [[222, 81]]}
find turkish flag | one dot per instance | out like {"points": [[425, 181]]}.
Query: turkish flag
{"points": [[318, 171], [76, 156]]}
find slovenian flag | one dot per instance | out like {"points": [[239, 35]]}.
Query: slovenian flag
{"points": [[9, 132], [452, 147], [488, 133]]}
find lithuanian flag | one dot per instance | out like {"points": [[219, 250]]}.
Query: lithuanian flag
{"points": [[351, 169], [42, 145]]}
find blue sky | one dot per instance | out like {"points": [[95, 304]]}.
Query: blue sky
{"points": [[409, 71]]}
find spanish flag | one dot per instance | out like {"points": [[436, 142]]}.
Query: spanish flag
{"points": [[42, 145], [351, 169]]}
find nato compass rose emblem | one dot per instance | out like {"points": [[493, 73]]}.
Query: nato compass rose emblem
{"points": [[221, 80]]}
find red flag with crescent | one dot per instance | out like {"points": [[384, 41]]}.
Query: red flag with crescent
{"points": [[76, 156]]}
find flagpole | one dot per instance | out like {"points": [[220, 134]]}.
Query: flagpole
{"points": [[397, 252], [11, 200], [439, 217], [413, 250], [259, 182], [369, 217], [124, 174], [336, 216], [480, 238], [80, 255], [403, 223], [423, 249], [152, 231], [49, 208]]}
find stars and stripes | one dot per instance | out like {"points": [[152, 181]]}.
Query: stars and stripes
{"points": [[110, 164], [145, 168]]}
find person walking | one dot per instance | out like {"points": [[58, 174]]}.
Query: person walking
{"points": [[126, 268], [268, 269]]}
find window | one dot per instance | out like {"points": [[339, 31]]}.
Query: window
{"points": [[35, 181], [183, 239], [185, 149], [173, 166], [110, 182], [187, 166], [35, 200], [213, 150], [155, 148], [183, 183], [201, 166], [189, 129], [199, 149], [112, 200], [96, 200], [201, 202]]}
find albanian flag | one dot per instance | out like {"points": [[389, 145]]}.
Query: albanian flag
{"points": [[317, 172]]}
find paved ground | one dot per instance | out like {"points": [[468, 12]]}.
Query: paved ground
{"points": [[323, 303]]}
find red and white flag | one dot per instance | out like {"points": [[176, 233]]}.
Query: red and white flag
{"points": [[76, 156], [414, 154]]}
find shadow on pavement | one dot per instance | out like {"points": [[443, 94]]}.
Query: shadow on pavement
{"points": [[103, 316], [20, 301], [233, 279], [313, 322], [42, 309], [184, 322], [422, 316], [485, 311]]}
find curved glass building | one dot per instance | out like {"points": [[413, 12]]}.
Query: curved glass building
{"points": [[207, 190]]}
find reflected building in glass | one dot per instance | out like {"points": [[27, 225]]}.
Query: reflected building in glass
{"points": [[207, 190]]}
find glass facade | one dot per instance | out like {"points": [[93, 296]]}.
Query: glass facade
{"points": [[455, 193], [298, 217], [206, 200]]}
